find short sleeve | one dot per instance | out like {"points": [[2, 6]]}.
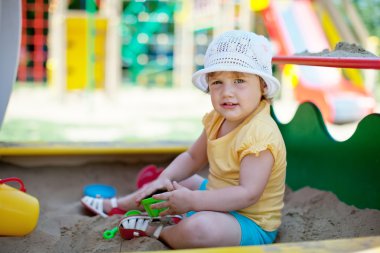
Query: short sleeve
{"points": [[209, 121], [206, 119], [258, 139]]}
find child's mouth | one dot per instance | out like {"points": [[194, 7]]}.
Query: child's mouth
{"points": [[229, 105]]}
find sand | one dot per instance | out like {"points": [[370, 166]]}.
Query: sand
{"points": [[342, 49], [64, 226]]}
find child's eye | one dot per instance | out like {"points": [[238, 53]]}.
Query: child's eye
{"points": [[239, 81], [216, 82]]}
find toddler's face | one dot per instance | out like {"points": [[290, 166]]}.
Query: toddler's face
{"points": [[235, 95]]}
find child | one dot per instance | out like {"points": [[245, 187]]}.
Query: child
{"points": [[240, 203]]}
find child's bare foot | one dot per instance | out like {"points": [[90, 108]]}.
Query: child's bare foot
{"points": [[107, 207]]}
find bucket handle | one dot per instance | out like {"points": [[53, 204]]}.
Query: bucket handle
{"points": [[12, 179]]}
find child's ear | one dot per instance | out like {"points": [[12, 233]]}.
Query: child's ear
{"points": [[264, 87]]}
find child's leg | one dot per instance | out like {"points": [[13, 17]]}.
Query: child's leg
{"points": [[128, 202], [193, 182], [203, 229]]}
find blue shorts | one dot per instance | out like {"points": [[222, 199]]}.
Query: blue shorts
{"points": [[251, 233]]}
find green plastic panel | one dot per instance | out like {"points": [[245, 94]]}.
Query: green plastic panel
{"points": [[350, 169]]}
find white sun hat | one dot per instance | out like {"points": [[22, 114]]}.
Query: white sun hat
{"points": [[239, 51]]}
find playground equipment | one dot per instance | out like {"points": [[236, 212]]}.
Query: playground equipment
{"points": [[19, 211], [295, 28], [85, 64], [354, 159], [147, 42], [34, 30], [10, 26], [337, 30], [84, 47], [89, 48]]}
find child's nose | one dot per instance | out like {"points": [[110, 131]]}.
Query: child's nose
{"points": [[228, 89]]}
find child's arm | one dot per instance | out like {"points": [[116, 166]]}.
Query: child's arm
{"points": [[183, 166], [189, 162], [254, 175]]}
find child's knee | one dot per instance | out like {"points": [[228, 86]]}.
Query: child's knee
{"points": [[198, 229], [189, 233]]}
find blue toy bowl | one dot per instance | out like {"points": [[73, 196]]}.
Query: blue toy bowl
{"points": [[99, 191]]}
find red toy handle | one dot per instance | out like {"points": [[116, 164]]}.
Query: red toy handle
{"points": [[147, 174], [12, 179]]}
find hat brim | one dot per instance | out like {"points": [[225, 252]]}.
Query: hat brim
{"points": [[199, 78]]}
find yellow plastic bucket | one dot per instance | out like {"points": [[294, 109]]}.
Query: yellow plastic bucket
{"points": [[19, 211]]}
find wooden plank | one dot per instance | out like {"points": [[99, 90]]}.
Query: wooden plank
{"points": [[363, 245], [48, 149]]}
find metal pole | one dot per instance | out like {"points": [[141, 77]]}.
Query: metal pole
{"points": [[337, 62]]}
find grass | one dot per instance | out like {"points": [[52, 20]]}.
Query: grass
{"points": [[131, 115], [32, 130]]}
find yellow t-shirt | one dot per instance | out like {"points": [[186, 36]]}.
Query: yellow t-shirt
{"points": [[257, 133]]}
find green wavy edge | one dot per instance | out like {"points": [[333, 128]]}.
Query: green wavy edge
{"points": [[350, 169]]}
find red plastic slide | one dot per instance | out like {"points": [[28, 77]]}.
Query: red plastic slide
{"points": [[295, 28]]}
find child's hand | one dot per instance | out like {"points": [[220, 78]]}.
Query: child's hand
{"points": [[149, 189], [178, 201]]}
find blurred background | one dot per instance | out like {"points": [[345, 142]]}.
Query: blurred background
{"points": [[96, 71]]}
